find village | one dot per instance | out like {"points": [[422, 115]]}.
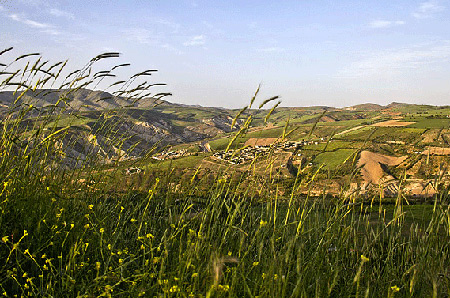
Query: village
{"points": [[239, 156], [249, 153], [172, 154]]}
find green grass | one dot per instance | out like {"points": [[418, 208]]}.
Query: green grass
{"points": [[432, 123], [70, 120], [85, 231], [267, 133], [345, 123], [333, 159], [183, 162]]}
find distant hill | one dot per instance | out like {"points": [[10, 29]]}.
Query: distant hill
{"points": [[367, 107], [144, 124], [80, 100]]}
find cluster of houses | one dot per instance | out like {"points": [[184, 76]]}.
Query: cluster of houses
{"points": [[249, 153], [241, 156], [170, 154]]}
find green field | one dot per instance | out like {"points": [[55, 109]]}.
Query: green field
{"points": [[333, 159], [432, 123]]}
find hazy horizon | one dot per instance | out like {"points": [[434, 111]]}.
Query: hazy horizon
{"points": [[212, 53]]}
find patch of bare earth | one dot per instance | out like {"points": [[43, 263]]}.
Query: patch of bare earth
{"points": [[436, 151], [269, 125], [371, 165], [419, 189], [392, 123], [327, 119], [260, 141]]}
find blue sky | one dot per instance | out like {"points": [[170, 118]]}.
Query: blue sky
{"points": [[215, 53]]}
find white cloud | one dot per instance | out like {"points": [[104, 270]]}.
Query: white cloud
{"points": [[272, 50], [52, 31], [198, 40], [397, 61], [60, 13], [385, 24], [46, 28], [29, 22], [175, 27], [427, 9], [147, 37], [2, 8], [140, 35], [171, 48]]}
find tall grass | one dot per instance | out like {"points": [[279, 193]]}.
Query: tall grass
{"points": [[80, 231]]}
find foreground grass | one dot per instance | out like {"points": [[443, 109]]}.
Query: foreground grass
{"points": [[224, 243]]}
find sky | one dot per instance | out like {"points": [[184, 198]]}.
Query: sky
{"points": [[216, 53]]}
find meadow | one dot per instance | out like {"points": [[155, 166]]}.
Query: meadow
{"points": [[92, 231]]}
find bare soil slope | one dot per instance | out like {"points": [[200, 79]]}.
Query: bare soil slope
{"points": [[394, 123], [371, 165], [437, 151], [260, 141]]}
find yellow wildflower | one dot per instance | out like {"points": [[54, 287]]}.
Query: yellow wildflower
{"points": [[224, 288]]}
